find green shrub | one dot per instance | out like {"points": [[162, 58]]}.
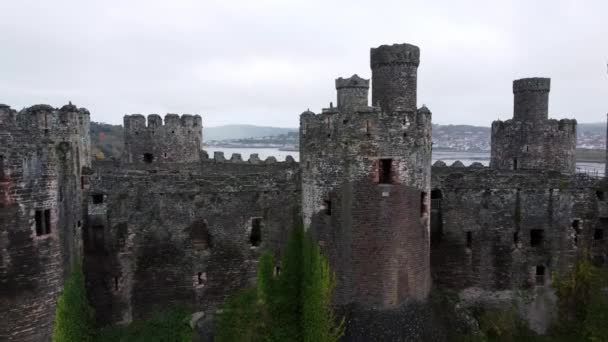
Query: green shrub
{"points": [[292, 306], [73, 316], [172, 325]]}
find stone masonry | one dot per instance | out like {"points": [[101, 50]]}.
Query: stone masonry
{"points": [[166, 224]]}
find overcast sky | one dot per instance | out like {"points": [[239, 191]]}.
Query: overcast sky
{"points": [[265, 61]]}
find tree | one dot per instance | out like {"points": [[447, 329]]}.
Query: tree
{"points": [[582, 303], [73, 316], [294, 305]]}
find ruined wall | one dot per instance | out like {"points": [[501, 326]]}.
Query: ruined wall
{"points": [[183, 233], [503, 230], [530, 140], [43, 153], [365, 181], [178, 140]]}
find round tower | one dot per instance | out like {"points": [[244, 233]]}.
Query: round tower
{"points": [[394, 77], [352, 93], [366, 186], [532, 141], [531, 99]]}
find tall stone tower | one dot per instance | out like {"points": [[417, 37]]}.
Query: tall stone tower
{"points": [[531, 140], [44, 168], [178, 140], [366, 184]]}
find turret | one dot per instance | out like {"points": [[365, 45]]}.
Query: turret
{"points": [[366, 184], [531, 99], [352, 93], [394, 77], [531, 140]]}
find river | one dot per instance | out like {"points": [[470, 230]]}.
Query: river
{"points": [[466, 158]]}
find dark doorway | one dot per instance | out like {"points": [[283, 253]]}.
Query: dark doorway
{"points": [[385, 172]]}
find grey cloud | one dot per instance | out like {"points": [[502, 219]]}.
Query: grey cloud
{"points": [[264, 62]]}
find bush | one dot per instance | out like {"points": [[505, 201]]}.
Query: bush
{"points": [[73, 316], [292, 306], [172, 325], [582, 303]]}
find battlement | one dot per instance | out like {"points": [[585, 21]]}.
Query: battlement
{"points": [[459, 164], [236, 158], [352, 82], [135, 122], [177, 140], [395, 54], [532, 84], [43, 119]]}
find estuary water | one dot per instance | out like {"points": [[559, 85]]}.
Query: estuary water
{"points": [[467, 158]]}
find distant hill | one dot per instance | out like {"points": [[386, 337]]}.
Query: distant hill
{"points": [[230, 132]]}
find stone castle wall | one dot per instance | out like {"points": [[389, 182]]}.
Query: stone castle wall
{"points": [[184, 233], [497, 230], [178, 140], [44, 158]]}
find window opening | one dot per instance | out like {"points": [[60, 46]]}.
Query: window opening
{"points": [[201, 278], [514, 163], [385, 171], [540, 275], [516, 238], [255, 237], [148, 157], [1, 168], [327, 204], [598, 234], [367, 131], [469, 240], [97, 198], [600, 195], [277, 271], [116, 279], [536, 237], [576, 226]]}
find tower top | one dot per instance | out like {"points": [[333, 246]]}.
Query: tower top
{"points": [[531, 84], [352, 82], [395, 54]]}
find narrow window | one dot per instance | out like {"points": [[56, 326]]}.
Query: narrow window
{"points": [[1, 168], [39, 223], [423, 207], [536, 237], [97, 198], [116, 279], [469, 240], [82, 182], [540, 275], [148, 157], [47, 221], [576, 226], [514, 163], [598, 234], [385, 171], [367, 130], [516, 238], [277, 271], [327, 204], [600, 195], [255, 237], [165, 154]]}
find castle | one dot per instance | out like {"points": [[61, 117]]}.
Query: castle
{"points": [[168, 224]]}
